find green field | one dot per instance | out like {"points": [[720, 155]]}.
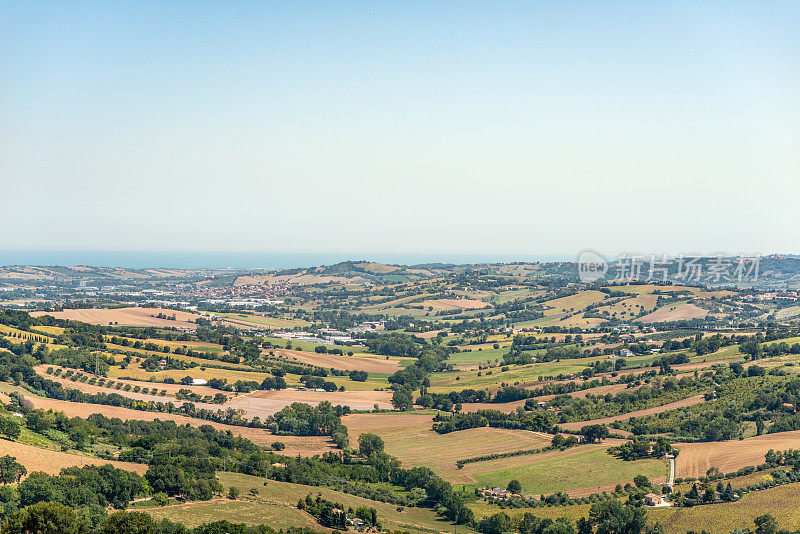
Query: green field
{"points": [[569, 470]]}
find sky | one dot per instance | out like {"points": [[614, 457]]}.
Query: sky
{"points": [[400, 127]]}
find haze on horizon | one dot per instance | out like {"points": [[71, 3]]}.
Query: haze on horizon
{"points": [[505, 128]]}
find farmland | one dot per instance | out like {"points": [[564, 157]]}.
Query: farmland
{"points": [[393, 355], [780, 502], [128, 317], [696, 458]]}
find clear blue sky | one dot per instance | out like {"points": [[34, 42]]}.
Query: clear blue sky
{"points": [[496, 127]]}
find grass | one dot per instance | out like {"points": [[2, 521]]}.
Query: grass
{"points": [[409, 437], [565, 470], [450, 380], [308, 346], [277, 516], [276, 502], [476, 356]]}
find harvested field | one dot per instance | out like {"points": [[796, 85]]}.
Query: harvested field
{"points": [[675, 312], [258, 403], [52, 462], [409, 437], [629, 307], [303, 445], [371, 364], [265, 403], [127, 316], [454, 304], [683, 403], [573, 303], [696, 458]]}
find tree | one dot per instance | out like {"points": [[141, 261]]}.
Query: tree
{"points": [[514, 486], [766, 524], [728, 494], [584, 526], [402, 399], [594, 433], [369, 443], [11, 471], [495, 524], [129, 523], [641, 481], [612, 517], [43, 518], [9, 428], [233, 493]]}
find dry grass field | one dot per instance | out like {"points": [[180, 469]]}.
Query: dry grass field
{"points": [[573, 302], [276, 504], [455, 304], [250, 512], [265, 403], [302, 445], [127, 317], [357, 362], [409, 437], [171, 389], [571, 321], [696, 458], [675, 312], [630, 307], [52, 462]]}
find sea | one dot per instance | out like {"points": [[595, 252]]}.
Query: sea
{"points": [[245, 260]]}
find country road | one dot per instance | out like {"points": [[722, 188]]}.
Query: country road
{"points": [[671, 480]]}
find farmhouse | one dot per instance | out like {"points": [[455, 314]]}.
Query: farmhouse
{"points": [[498, 493], [654, 499]]}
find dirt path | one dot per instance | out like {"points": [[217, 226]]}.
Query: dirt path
{"points": [[671, 481]]}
